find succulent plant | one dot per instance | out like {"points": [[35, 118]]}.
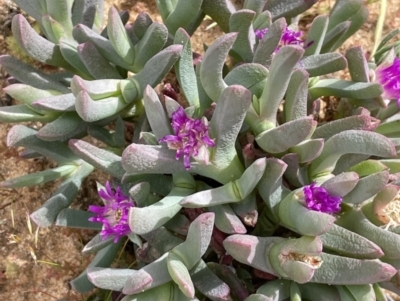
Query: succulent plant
{"points": [[239, 192]]}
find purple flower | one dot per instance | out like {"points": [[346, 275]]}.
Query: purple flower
{"points": [[389, 78], [190, 136], [114, 214], [289, 37], [318, 199]]}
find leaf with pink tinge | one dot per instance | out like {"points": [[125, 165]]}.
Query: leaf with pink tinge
{"points": [[302, 220], [197, 240], [226, 220], [341, 184], [358, 122], [109, 279], [209, 284], [180, 274], [388, 241], [289, 134], [140, 158], [35, 45], [296, 259], [349, 271], [103, 258], [252, 250], [231, 192], [308, 150], [100, 158], [61, 103], [348, 243], [146, 219], [353, 141], [151, 275], [94, 110]]}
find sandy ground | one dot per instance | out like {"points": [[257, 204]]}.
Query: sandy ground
{"points": [[37, 264]]}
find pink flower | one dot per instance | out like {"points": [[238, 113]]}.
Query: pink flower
{"points": [[318, 199], [289, 37], [114, 215], [389, 78], [189, 136]]}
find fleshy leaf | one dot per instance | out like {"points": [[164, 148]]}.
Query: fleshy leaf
{"points": [[73, 218], [302, 220], [241, 22], [152, 42], [220, 11], [61, 103], [229, 193], [184, 13], [212, 65], [282, 65], [296, 96], [341, 184], [185, 73], [316, 35], [388, 241], [30, 75], [358, 122], [103, 258], [335, 270], [268, 44], [281, 138], [95, 63], [342, 88], [35, 45], [346, 142], [40, 177], [288, 9], [252, 250], [251, 76], [100, 158], [156, 115], [367, 187], [107, 278], [321, 64], [350, 244], [226, 220]]}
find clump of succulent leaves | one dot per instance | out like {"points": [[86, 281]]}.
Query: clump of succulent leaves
{"points": [[234, 187]]}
